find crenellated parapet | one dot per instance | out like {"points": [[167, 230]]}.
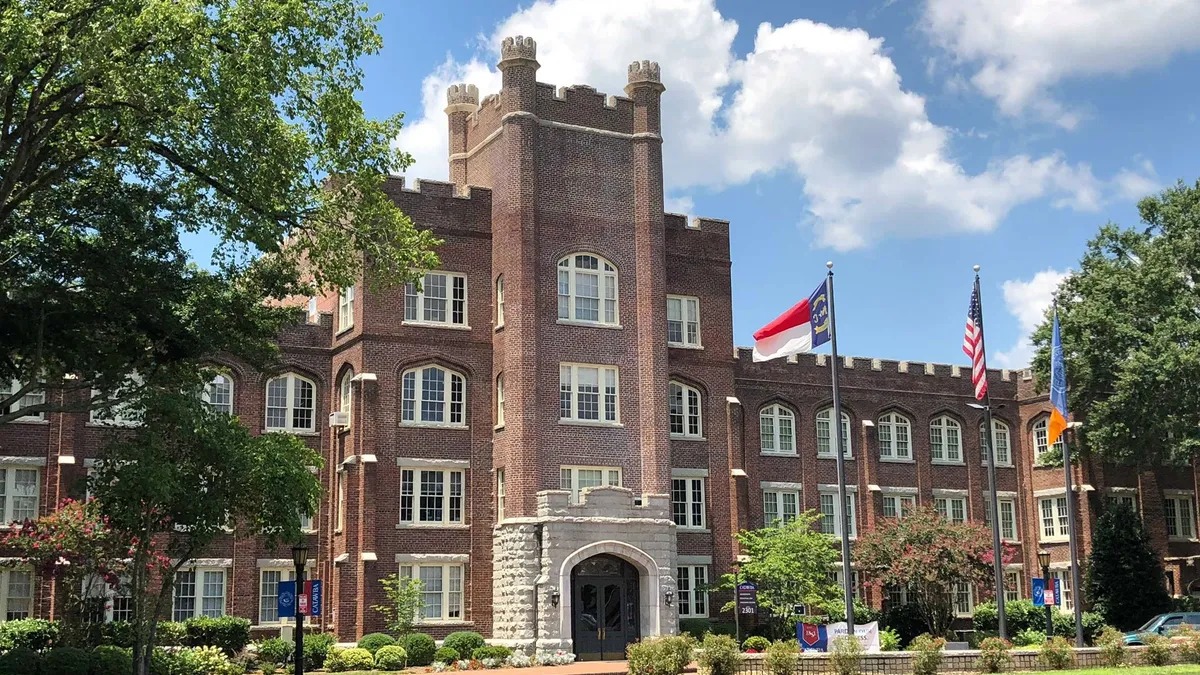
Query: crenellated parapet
{"points": [[518, 48], [645, 72], [442, 206], [462, 98]]}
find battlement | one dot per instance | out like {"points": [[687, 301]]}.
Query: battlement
{"points": [[581, 105], [645, 71], [465, 95], [442, 206], [519, 47]]}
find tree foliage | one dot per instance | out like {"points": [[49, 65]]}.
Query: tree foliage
{"points": [[183, 476], [1124, 579], [791, 566], [1130, 324], [930, 555], [125, 124], [404, 603]]}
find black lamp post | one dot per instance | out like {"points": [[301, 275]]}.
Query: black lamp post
{"points": [[1044, 561], [737, 599], [300, 559]]}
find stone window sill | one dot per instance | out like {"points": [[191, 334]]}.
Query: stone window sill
{"points": [[693, 530], [946, 462], [897, 460], [432, 425], [1186, 540], [435, 324], [778, 454], [590, 423], [680, 345], [682, 437], [833, 456], [999, 465], [432, 526]]}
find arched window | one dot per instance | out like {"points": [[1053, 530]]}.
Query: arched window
{"points": [[291, 403], [1000, 436], [441, 394], [346, 392], [945, 440], [499, 301], [895, 434], [218, 394], [587, 289], [777, 430], [825, 434], [683, 403], [1041, 435]]}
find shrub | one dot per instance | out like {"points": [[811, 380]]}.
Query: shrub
{"points": [[756, 643], [1158, 650], [667, 655], [117, 634], [993, 655], [491, 652], [520, 660], [927, 654], [464, 642], [333, 660], [35, 634], [557, 658], [230, 634], [420, 648], [445, 655], [357, 658], [906, 620], [275, 650], [110, 660], [720, 655], [1187, 641], [889, 640], [316, 649], [19, 661], [1056, 654], [169, 634], [847, 655], [781, 657], [373, 641], [390, 657], [1112, 647], [210, 660], [269, 668], [1029, 638], [64, 661]]}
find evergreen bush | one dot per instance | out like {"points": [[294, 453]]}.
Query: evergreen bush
{"points": [[1124, 574], [445, 655], [464, 642], [491, 652], [420, 648], [1056, 654], [994, 656], [390, 657], [19, 661], [927, 652], [110, 660], [373, 641], [719, 655]]}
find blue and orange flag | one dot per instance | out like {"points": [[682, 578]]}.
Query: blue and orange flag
{"points": [[1058, 388]]}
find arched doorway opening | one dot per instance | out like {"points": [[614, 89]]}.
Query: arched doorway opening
{"points": [[605, 608]]}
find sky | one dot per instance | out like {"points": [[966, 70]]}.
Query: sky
{"points": [[904, 140]]}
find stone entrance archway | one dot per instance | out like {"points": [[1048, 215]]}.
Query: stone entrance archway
{"points": [[605, 614]]}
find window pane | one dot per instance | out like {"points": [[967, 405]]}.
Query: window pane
{"points": [[185, 596], [588, 398], [277, 403], [302, 404], [458, 313], [565, 392], [19, 603], [675, 407], [408, 396], [214, 594], [431, 579], [268, 602], [24, 494], [679, 502], [587, 297], [432, 492], [433, 395], [435, 298]]}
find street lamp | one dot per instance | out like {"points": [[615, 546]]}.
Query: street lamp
{"points": [[300, 559], [1044, 561]]}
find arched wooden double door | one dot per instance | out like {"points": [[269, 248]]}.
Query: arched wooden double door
{"points": [[604, 607]]}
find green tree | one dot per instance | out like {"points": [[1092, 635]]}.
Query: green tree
{"points": [[791, 566], [125, 124], [930, 555], [1124, 579], [1130, 328], [185, 475], [404, 603]]}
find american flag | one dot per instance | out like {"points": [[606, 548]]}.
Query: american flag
{"points": [[973, 346]]}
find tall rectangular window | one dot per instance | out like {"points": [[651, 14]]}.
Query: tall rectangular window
{"points": [[341, 500], [832, 517], [500, 400], [683, 321], [500, 496], [184, 606], [1054, 518], [346, 308], [692, 582], [588, 393], [1064, 581], [953, 509], [16, 594], [441, 593], [684, 410], [442, 300], [898, 506], [687, 502], [1180, 517], [780, 506], [577, 478], [18, 494], [499, 301], [431, 496], [1012, 586], [1008, 517], [964, 599]]}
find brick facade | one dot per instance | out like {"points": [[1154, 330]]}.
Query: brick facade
{"points": [[539, 176]]}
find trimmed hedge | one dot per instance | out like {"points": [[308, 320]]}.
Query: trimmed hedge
{"points": [[497, 652], [374, 641], [420, 648], [19, 661], [65, 661], [275, 650], [35, 634], [109, 660], [464, 642], [445, 655], [230, 633], [390, 657]]}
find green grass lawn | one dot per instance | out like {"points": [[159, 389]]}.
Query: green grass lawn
{"points": [[1190, 669]]}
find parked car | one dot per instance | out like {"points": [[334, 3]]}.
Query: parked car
{"points": [[1162, 624]]}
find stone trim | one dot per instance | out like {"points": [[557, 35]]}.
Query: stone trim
{"points": [[1168, 492], [66, 459], [433, 463], [1123, 489], [281, 562], [1006, 494], [575, 127], [433, 557], [779, 485], [951, 493], [648, 586], [695, 560], [1050, 492], [689, 473], [205, 562], [888, 490], [478, 146], [832, 487], [23, 461]]}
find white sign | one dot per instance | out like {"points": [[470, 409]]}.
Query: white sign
{"points": [[867, 634]]}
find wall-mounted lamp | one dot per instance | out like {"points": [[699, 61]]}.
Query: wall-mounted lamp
{"points": [[670, 595], [555, 596]]}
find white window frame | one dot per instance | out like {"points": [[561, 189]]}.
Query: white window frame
{"points": [[292, 393], [945, 506], [851, 498], [500, 301], [824, 422], [1000, 433], [1062, 572], [285, 574], [608, 394], [607, 284], [346, 393], [449, 597], [199, 593], [1128, 497], [119, 414], [8, 493], [500, 401], [501, 496], [419, 312], [1041, 431], [453, 507], [692, 586], [900, 504], [570, 473], [1013, 536], [691, 421], [451, 416], [1058, 517], [218, 393], [836, 576], [688, 307], [28, 399], [894, 432], [895, 596], [940, 427], [774, 416], [10, 605], [1013, 585], [1179, 510], [781, 499], [341, 499], [346, 309], [695, 501], [959, 590]]}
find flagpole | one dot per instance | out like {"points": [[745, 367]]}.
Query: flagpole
{"points": [[990, 450], [1075, 590], [847, 574]]}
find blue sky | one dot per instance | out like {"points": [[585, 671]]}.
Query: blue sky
{"points": [[906, 140]]}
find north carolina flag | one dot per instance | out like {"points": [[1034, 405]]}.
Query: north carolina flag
{"points": [[1058, 388], [797, 330]]}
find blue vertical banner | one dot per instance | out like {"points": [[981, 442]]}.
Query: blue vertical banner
{"points": [[1058, 601], [1039, 592], [314, 597], [285, 602]]}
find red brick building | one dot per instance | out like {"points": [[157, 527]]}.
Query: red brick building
{"points": [[576, 337]]}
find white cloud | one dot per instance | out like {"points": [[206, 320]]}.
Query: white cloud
{"points": [[822, 104], [1020, 49], [683, 205], [1028, 302], [1138, 182]]}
